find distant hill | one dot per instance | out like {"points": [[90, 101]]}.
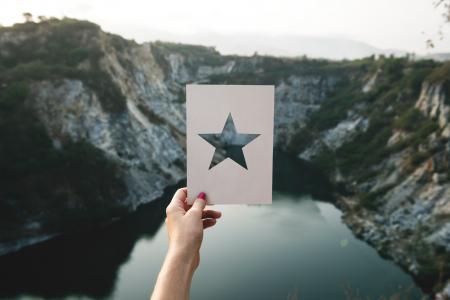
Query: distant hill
{"points": [[445, 56], [287, 45]]}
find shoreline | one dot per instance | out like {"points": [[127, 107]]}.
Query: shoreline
{"points": [[366, 228]]}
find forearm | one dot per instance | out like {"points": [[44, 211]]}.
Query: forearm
{"points": [[175, 277]]}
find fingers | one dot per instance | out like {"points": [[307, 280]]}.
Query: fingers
{"points": [[178, 201], [212, 214], [199, 203], [180, 195], [210, 218], [208, 223]]}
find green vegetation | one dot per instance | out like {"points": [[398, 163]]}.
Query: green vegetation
{"points": [[300, 141], [339, 102], [442, 76], [63, 187], [194, 55], [119, 43], [54, 49], [434, 262], [326, 160], [200, 52], [272, 70], [418, 136], [409, 120], [39, 182], [52, 43], [371, 200], [388, 107]]}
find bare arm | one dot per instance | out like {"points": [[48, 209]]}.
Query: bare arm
{"points": [[185, 225], [174, 279]]}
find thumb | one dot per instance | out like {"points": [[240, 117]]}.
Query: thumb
{"points": [[199, 203]]}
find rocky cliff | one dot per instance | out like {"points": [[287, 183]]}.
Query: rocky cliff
{"points": [[92, 126], [392, 150]]}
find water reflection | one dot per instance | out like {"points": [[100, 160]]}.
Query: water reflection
{"points": [[294, 176], [297, 247], [79, 264]]}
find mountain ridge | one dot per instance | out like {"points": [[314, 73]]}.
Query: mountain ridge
{"points": [[100, 122], [333, 48]]}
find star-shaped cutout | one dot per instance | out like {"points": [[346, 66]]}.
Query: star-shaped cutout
{"points": [[228, 144]]}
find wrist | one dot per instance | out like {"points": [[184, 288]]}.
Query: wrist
{"points": [[182, 256], [182, 248], [176, 274]]}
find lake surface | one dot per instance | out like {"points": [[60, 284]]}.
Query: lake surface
{"points": [[297, 248]]}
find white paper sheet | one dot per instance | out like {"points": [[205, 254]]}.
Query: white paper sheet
{"points": [[245, 175]]}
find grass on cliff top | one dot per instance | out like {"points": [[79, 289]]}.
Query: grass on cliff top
{"points": [[257, 69], [55, 49], [186, 49], [442, 76], [61, 188], [53, 42], [193, 56], [275, 70]]}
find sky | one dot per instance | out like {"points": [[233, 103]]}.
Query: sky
{"points": [[385, 24]]}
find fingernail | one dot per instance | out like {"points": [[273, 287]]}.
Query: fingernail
{"points": [[202, 196]]}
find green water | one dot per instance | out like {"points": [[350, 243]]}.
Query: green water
{"points": [[297, 248]]}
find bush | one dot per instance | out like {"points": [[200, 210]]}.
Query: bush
{"points": [[371, 200], [418, 157], [408, 121], [441, 76], [326, 160], [300, 141], [109, 94], [364, 150]]}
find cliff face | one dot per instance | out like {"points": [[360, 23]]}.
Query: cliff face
{"points": [[110, 117], [147, 137], [400, 187], [411, 188], [123, 103]]}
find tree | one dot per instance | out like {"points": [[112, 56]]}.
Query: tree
{"points": [[28, 17], [445, 6], [42, 18]]}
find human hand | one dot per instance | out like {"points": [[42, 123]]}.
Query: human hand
{"points": [[185, 224]]}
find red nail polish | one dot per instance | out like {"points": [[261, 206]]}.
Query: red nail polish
{"points": [[202, 196]]}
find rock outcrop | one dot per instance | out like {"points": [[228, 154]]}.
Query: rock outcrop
{"points": [[128, 101], [401, 201], [379, 127]]}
